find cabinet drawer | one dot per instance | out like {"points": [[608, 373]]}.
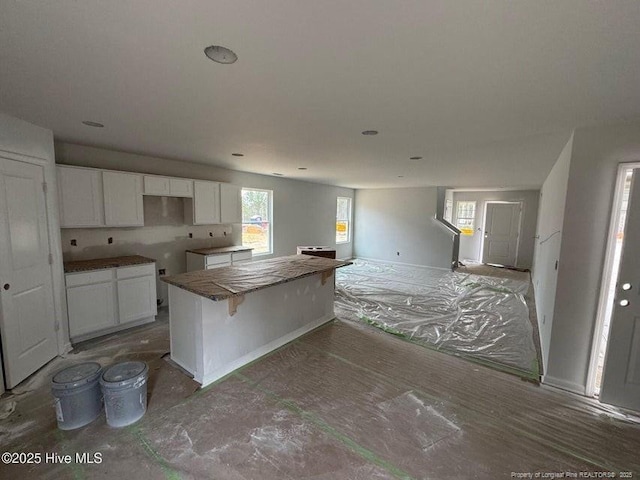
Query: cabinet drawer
{"points": [[239, 256], [217, 265], [218, 259], [137, 271], [96, 276]]}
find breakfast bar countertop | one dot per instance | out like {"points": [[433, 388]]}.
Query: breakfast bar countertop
{"points": [[104, 263], [226, 282]]}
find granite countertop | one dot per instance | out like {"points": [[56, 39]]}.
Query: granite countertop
{"points": [[222, 283], [104, 263], [220, 250]]}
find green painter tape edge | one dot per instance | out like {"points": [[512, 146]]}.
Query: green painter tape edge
{"points": [[77, 469], [534, 374], [169, 473], [603, 464], [325, 427]]}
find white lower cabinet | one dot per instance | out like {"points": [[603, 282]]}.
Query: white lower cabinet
{"points": [[196, 261], [108, 300], [136, 298], [91, 308]]}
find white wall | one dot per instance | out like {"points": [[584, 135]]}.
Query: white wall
{"points": [[596, 153], [470, 247], [303, 213], [547, 247], [388, 221]]}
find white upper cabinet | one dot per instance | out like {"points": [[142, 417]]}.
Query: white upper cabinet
{"points": [[230, 203], [206, 202], [80, 197], [168, 187], [91, 197], [123, 199], [156, 186], [180, 187]]}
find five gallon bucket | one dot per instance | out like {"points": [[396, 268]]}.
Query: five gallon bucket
{"points": [[78, 399], [124, 387]]}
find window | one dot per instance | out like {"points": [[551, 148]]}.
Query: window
{"points": [[448, 210], [343, 220], [257, 227], [465, 217]]}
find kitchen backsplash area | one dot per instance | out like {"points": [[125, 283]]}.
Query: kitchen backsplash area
{"points": [[165, 237]]}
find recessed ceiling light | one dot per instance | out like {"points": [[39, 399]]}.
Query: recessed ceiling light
{"points": [[89, 123], [370, 132], [415, 158], [238, 154], [220, 54], [302, 168], [278, 174]]}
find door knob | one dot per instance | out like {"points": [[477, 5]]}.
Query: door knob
{"points": [[7, 286]]}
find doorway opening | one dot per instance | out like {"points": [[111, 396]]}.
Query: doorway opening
{"points": [[501, 233], [613, 254]]}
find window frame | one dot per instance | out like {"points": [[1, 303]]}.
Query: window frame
{"points": [[471, 228], [270, 213], [348, 220]]}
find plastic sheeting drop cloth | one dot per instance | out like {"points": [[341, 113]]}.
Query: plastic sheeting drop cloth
{"points": [[483, 318]]}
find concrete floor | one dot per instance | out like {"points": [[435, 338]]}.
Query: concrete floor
{"points": [[344, 402]]}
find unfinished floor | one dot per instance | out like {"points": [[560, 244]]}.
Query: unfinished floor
{"points": [[344, 402]]}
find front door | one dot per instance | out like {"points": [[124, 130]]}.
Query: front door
{"points": [[501, 230], [621, 382], [27, 316]]}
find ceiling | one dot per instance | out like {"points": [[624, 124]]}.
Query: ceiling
{"points": [[486, 92]]}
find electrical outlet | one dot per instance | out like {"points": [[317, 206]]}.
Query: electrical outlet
{"points": [[398, 253], [162, 271], [211, 234], [74, 243], [110, 240], [190, 235]]}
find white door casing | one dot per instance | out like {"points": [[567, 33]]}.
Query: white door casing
{"points": [[621, 381], [501, 233], [27, 312]]}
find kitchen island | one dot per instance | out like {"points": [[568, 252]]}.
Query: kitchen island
{"points": [[222, 319]]}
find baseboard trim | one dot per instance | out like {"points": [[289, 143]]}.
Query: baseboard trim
{"points": [[563, 385]]}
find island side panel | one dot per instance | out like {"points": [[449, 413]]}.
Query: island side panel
{"points": [[264, 321], [185, 326]]}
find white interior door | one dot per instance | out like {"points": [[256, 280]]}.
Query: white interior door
{"points": [[501, 231], [27, 318], [621, 382]]}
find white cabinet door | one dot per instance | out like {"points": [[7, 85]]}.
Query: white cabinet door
{"points": [[167, 186], [123, 199], [27, 316], [136, 298], [181, 187], [91, 308], [230, 204], [156, 185], [80, 197], [206, 203]]}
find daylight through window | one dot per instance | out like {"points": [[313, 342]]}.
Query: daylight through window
{"points": [[343, 220], [465, 217], [257, 226]]}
